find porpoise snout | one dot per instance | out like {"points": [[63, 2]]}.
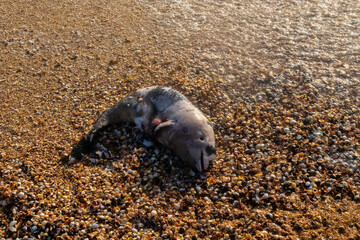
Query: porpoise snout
{"points": [[205, 159]]}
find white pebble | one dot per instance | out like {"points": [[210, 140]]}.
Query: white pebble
{"points": [[94, 225], [154, 213], [12, 223], [260, 146], [293, 122], [177, 206]]}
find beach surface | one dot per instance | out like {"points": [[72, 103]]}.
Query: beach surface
{"points": [[280, 83]]}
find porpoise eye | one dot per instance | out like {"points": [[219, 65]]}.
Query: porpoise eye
{"points": [[201, 138], [210, 150]]}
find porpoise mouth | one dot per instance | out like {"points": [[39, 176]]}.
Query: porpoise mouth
{"points": [[202, 161]]}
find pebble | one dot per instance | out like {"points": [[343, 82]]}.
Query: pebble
{"points": [[293, 122], [12, 223], [259, 171], [154, 213], [21, 194], [265, 196], [177, 206], [33, 229], [260, 146]]}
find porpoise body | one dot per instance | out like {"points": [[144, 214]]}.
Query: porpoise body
{"points": [[169, 117]]}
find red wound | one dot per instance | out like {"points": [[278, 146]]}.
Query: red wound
{"points": [[156, 121]]}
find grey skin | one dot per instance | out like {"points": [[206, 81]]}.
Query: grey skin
{"points": [[168, 116]]}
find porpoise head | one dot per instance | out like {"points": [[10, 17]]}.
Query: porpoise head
{"points": [[200, 149], [192, 141]]}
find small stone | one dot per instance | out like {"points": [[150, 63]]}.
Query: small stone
{"points": [[265, 196], [33, 229], [260, 146], [21, 194], [94, 225], [12, 223], [293, 122], [154, 213], [147, 143], [202, 221], [177, 206]]}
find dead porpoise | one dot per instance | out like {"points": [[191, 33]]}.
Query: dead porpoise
{"points": [[165, 114]]}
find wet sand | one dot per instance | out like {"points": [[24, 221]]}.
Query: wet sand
{"points": [[283, 98]]}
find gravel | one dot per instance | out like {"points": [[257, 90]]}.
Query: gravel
{"points": [[283, 98]]}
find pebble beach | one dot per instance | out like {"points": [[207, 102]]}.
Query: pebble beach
{"points": [[279, 82]]}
